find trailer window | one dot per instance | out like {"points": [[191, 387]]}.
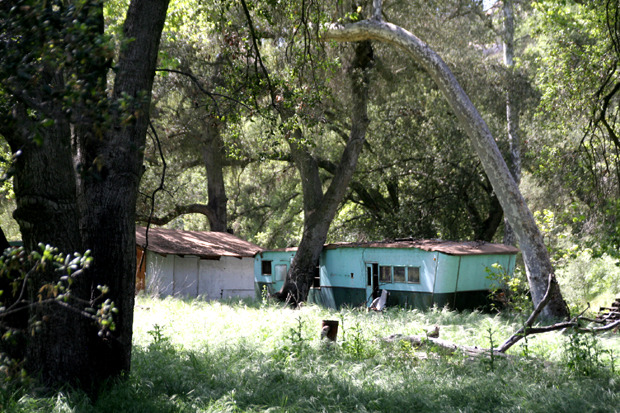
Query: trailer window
{"points": [[400, 274], [316, 281], [280, 270], [413, 275], [385, 274], [266, 267]]}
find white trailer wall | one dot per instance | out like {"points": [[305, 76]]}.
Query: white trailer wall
{"points": [[186, 276], [190, 276], [226, 277], [159, 274]]}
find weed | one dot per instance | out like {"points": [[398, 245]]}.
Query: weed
{"points": [[584, 355], [295, 344], [356, 345], [491, 350], [266, 299], [158, 336], [525, 346]]}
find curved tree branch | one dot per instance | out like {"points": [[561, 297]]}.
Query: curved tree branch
{"points": [[178, 211], [538, 264]]}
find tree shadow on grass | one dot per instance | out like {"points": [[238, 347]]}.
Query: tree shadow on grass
{"points": [[243, 378]]}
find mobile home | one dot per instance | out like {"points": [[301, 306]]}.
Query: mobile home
{"points": [[211, 265], [416, 273]]}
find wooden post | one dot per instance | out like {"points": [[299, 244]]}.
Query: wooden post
{"points": [[329, 329]]}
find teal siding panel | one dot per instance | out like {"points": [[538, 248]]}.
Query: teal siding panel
{"points": [[467, 272], [473, 275], [343, 267], [448, 271]]}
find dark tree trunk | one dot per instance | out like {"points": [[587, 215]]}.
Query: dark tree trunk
{"points": [[213, 155], [93, 209], [109, 186], [47, 212], [493, 220], [44, 182], [319, 208], [484, 227], [4, 243]]}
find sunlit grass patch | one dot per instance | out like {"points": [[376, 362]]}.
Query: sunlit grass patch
{"points": [[197, 356]]}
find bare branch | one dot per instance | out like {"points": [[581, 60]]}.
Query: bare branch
{"points": [[178, 211], [212, 95], [523, 331]]}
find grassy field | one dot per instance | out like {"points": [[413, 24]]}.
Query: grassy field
{"points": [[194, 356]]}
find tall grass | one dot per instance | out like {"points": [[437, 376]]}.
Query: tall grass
{"points": [[245, 356]]}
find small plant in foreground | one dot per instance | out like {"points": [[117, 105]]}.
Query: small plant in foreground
{"points": [[525, 346], [583, 353], [491, 350], [296, 344], [158, 336], [266, 299], [356, 346]]}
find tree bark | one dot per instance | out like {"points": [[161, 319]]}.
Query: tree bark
{"points": [[108, 200], [319, 208], [95, 208], [512, 110], [538, 265], [213, 154]]}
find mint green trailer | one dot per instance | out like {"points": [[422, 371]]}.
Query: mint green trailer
{"points": [[416, 273], [270, 268]]}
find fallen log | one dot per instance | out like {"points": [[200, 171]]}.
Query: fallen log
{"points": [[447, 346]]}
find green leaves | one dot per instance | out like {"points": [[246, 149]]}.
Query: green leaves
{"points": [[46, 276]]}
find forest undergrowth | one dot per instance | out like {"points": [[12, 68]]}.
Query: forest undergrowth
{"points": [[253, 356]]}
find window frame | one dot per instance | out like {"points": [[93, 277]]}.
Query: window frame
{"points": [[409, 281], [276, 275], [381, 278], [404, 274], [264, 263]]}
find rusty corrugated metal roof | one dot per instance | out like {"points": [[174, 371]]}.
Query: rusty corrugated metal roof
{"points": [[446, 247], [203, 244]]}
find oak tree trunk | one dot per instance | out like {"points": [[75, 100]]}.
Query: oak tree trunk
{"points": [[45, 190], [320, 208], [76, 182], [213, 156]]}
